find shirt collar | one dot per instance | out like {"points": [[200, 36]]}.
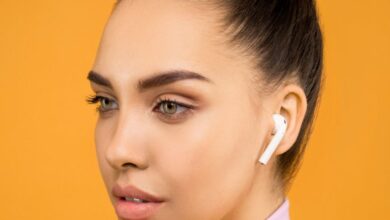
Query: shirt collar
{"points": [[282, 213]]}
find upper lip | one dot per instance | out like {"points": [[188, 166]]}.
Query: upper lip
{"points": [[134, 192]]}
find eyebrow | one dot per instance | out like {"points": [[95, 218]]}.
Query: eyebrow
{"points": [[153, 81]]}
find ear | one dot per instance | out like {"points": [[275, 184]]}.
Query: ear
{"points": [[292, 106]]}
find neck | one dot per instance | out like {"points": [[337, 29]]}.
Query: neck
{"points": [[263, 198]]}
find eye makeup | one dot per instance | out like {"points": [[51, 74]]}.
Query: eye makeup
{"points": [[163, 106], [104, 101]]}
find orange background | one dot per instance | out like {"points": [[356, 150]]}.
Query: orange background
{"points": [[48, 167]]}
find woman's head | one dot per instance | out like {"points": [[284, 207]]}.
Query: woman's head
{"points": [[229, 65]]}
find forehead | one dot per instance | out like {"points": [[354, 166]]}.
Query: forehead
{"points": [[147, 36]]}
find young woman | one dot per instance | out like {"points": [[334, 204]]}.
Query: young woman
{"points": [[187, 91]]}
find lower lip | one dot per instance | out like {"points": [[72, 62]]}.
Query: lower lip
{"points": [[135, 211]]}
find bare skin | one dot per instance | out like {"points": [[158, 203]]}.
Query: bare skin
{"points": [[204, 161]]}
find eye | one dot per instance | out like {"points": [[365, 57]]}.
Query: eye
{"points": [[172, 110], [106, 104]]}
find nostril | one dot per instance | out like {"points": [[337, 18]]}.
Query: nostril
{"points": [[129, 165]]}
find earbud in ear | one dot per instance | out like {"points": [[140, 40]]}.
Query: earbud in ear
{"points": [[280, 129]]}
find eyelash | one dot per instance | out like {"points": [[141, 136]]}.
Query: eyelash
{"points": [[93, 99]]}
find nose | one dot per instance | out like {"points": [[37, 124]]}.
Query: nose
{"points": [[127, 148]]}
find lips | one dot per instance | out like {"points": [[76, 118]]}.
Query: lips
{"points": [[133, 192], [132, 203]]}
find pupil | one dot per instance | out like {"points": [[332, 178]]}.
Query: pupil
{"points": [[171, 107]]}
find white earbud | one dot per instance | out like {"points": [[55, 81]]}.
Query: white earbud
{"points": [[280, 129]]}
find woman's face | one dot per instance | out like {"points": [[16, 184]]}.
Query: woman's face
{"points": [[201, 155]]}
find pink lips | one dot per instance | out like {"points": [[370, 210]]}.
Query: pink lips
{"points": [[131, 209]]}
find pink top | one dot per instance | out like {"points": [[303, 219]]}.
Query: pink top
{"points": [[282, 213]]}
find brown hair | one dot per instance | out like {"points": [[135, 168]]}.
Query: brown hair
{"points": [[285, 39]]}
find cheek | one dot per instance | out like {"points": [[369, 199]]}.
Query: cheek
{"points": [[207, 162], [103, 135]]}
